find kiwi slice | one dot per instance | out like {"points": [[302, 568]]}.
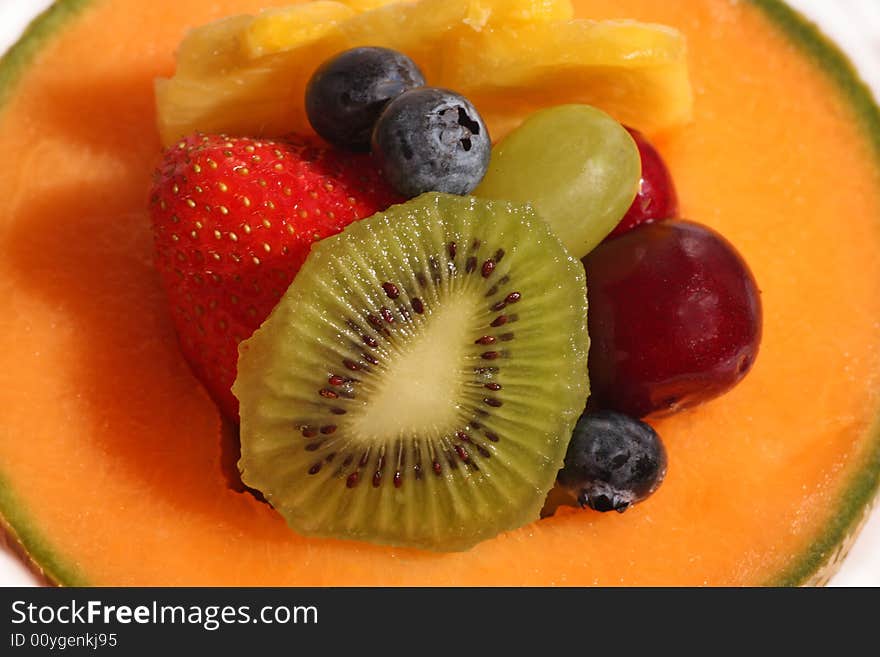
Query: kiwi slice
{"points": [[419, 381]]}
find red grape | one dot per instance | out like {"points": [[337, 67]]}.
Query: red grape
{"points": [[675, 318], [656, 198]]}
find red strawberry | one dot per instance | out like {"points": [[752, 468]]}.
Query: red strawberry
{"points": [[234, 220]]}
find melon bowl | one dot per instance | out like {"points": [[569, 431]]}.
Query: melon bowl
{"points": [[114, 462]]}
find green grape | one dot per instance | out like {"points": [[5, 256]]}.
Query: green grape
{"points": [[577, 166]]}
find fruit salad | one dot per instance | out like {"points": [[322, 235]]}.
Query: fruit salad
{"points": [[421, 325], [482, 293]]}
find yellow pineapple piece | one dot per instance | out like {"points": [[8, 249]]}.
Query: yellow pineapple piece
{"points": [[247, 75], [213, 48], [397, 24], [483, 12], [368, 5], [275, 30], [636, 72], [262, 99], [219, 87]]}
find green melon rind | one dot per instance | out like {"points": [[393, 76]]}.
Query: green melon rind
{"points": [[21, 533], [17, 58], [14, 519], [824, 554]]}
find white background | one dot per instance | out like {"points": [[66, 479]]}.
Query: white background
{"points": [[854, 24]]}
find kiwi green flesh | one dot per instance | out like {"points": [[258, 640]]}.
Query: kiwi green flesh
{"points": [[418, 383]]}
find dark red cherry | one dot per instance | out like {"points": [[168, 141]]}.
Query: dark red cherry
{"points": [[674, 320], [656, 198]]}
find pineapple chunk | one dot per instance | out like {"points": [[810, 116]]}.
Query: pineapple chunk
{"points": [[482, 12], [212, 49], [247, 75], [263, 99], [634, 71], [403, 25], [296, 26], [368, 5]]}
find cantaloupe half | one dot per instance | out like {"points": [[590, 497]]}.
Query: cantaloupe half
{"points": [[112, 469]]}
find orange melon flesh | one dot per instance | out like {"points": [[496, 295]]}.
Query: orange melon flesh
{"points": [[110, 452]]}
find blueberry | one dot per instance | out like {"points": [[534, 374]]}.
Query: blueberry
{"points": [[347, 93], [432, 140], [613, 461]]}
